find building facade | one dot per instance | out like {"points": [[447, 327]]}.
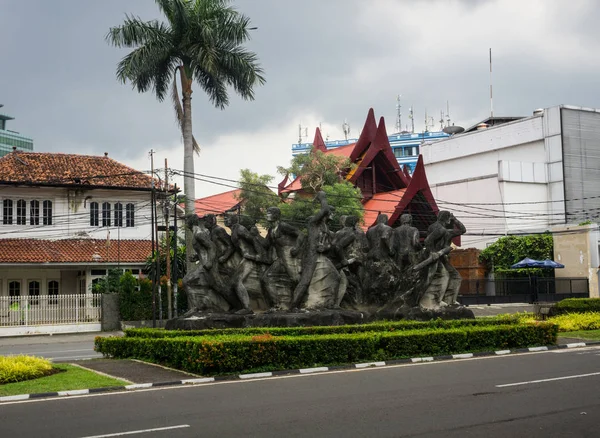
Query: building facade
{"points": [[11, 139], [523, 176]]}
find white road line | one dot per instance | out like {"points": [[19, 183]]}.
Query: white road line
{"points": [[313, 370], [576, 344], [533, 349], [530, 382], [369, 364], [501, 352], [30, 353], [133, 432], [462, 356], [69, 357], [421, 359], [255, 375], [74, 392], [199, 380]]}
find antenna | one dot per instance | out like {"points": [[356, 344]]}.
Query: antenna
{"points": [[302, 132], [346, 128], [447, 113], [426, 121], [491, 95], [441, 120], [398, 114], [411, 116]]}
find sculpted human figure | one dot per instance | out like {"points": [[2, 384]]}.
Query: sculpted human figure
{"points": [[443, 280], [319, 280], [248, 268], [380, 241], [406, 243], [204, 285], [348, 250], [283, 274]]}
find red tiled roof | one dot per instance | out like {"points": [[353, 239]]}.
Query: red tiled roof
{"points": [[218, 204], [382, 202], [69, 169], [74, 251], [342, 151]]}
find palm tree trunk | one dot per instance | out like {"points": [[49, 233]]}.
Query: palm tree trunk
{"points": [[188, 162]]}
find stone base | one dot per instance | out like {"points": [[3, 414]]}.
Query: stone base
{"points": [[202, 321]]}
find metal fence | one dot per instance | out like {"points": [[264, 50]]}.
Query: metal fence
{"points": [[522, 290], [50, 310]]}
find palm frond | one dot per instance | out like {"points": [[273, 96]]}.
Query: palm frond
{"points": [[135, 32]]}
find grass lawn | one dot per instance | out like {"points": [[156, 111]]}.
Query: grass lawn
{"points": [[72, 377], [593, 335]]}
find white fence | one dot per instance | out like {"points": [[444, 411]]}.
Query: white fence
{"points": [[45, 310]]}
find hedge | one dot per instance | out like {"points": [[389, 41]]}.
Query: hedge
{"points": [[243, 353], [19, 368], [576, 305], [321, 330]]}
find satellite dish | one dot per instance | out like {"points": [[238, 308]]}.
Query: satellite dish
{"points": [[453, 129]]}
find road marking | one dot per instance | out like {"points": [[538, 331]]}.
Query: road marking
{"points": [[31, 353], [255, 375], [422, 359], [74, 392], [501, 352], [530, 382], [199, 380], [139, 386], [576, 344], [133, 432], [70, 357], [369, 364], [532, 349], [462, 356]]}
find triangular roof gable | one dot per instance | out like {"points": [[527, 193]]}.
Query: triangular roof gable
{"points": [[217, 204], [367, 135], [381, 145], [318, 143]]}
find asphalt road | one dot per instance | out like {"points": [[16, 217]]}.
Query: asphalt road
{"points": [[58, 348], [550, 394]]}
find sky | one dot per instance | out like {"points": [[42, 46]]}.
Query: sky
{"points": [[325, 61]]}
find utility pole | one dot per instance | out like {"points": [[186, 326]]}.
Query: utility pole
{"points": [[175, 255], [152, 234], [157, 266], [168, 244]]}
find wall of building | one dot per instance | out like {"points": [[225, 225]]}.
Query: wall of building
{"points": [[71, 213], [576, 247]]}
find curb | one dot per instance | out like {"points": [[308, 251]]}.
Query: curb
{"points": [[202, 380]]}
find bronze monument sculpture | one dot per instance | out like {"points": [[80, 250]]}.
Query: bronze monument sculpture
{"points": [[244, 279]]}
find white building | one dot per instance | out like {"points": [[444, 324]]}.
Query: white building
{"points": [[65, 219], [525, 175]]}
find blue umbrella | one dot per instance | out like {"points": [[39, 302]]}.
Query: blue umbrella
{"points": [[549, 264], [526, 263]]}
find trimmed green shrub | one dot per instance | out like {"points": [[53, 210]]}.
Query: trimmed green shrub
{"points": [[19, 368], [380, 326], [576, 305], [243, 353]]}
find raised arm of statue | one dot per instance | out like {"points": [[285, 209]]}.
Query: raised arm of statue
{"points": [[223, 237], [459, 229]]}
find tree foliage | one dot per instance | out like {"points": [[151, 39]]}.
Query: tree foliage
{"points": [[507, 251], [317, 169], [255, 195], [342, 196]]}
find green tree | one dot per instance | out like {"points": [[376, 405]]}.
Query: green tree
{"points": [[343, 196], [317, 169], [255, 195], [508, 250], [202, 41]]}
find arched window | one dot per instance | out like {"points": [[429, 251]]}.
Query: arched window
{"points": [[34, 213], [34, 292], [129, 215], [106, 214], [21, 212], [94, 213], [53, 292], [7, 212], [118, 214], [47, 213]]}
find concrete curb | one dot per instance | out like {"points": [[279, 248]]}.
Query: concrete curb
{"points": [[202, 380]]}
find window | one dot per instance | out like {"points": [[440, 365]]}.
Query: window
{"points": [[21, 212], [34, 213], [98, 272], [94, 214], [129, 215], [14, 290], [34, 292], [397, 152], [7, 212], [106, 214], [47, 212], [118, 214], [53, 292]]}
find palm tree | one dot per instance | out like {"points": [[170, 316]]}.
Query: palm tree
{"points": [[202, 42]]}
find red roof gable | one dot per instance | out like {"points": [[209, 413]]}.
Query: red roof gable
{"points": [[318, 143], [218, 204], [74, 251], [342, 151], [41, 168]]}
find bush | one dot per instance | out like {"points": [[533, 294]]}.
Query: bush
{"points": [[241, 353], [576, 305], [19, 368], [380, 326]]}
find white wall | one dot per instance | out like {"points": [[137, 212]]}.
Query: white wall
{"points": [[71, 213]]}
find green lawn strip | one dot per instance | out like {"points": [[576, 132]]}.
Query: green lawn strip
{"points": [[72, 377], [378, 326], [592, 335]]}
